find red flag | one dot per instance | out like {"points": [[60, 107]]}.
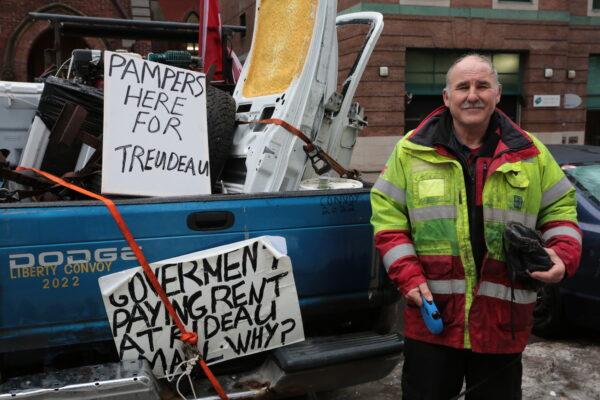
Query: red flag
{"points": [[211, 47]]}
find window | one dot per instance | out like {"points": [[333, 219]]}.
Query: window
{"points": [[593, 83], [515, 4], [192, 18], [426, 70], [243, 23], [437, 3], [587, 177], [596, 5]]}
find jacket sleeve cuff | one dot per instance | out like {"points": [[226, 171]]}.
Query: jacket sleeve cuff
{"points": [[406, 277], [569, 257]]}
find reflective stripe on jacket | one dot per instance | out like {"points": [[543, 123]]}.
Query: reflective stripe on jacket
{"points": [[421, 223]]}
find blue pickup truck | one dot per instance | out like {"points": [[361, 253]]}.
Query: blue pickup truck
{"points": [[52, 316]]}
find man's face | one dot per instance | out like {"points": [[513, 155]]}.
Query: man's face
{"points": [[472, 93]]}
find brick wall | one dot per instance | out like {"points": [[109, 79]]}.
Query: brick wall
{"points": [[543, 46], [18, 31], [558, 36], [231, 10]]}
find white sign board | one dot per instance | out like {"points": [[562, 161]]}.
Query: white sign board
{"points": [[546, 100], [155, 140], [240, 299]]}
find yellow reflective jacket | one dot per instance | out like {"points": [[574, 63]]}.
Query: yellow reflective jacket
{"points": [[421, 222]]}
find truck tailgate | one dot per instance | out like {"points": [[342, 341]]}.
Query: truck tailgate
{"points": [[53, 254]]}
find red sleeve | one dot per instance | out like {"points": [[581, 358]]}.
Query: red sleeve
{"points": [[564, 237], [403, 269]]}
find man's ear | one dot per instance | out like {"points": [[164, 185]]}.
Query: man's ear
{"points": [[499, 93], [445, 97]]}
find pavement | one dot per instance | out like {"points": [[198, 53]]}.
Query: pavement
{"points": [[565, 369]]}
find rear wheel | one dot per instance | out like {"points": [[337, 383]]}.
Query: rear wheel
{"points": [[220, 110], [548, 318]]}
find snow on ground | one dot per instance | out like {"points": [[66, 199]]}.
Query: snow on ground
{"points": [[553, 370]]}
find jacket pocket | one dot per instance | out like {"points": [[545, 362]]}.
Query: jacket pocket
{"points": [[437, 263], [521, 317], [432, 187], [436, 258], [516, 190]]}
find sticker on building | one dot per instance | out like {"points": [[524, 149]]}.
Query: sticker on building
{"points": [[546, 100]]}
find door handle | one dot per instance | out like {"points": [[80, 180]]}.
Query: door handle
{"points": [[210, 220]]}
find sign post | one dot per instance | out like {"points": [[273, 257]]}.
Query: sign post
{"points": [[155, 136]]}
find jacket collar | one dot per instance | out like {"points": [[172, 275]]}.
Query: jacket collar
{"points": [[514, 143]]}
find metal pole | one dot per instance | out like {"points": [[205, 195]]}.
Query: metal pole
{"points": [[57, 44], [123, 22]]}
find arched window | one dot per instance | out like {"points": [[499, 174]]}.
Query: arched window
{"points": [[192, 18]]}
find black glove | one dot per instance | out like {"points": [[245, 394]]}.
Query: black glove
{"points": [[525, 252]]}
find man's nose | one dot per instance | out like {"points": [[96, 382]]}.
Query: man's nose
{"points": [[472, 95]]}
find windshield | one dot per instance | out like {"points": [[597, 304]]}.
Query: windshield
{"points": [[588, 178]]}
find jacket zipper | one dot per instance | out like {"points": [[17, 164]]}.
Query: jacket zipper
{"points": [[485, 167]]}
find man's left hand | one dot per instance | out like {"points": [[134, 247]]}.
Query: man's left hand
{"points": [[555, 273]]}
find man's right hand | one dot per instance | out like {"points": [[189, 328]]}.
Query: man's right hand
{"points": [[414, 295]]}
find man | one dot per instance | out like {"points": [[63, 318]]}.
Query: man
{"points": [[440, 208]]}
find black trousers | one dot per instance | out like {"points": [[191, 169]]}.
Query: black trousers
{"points": [[434, 372]]}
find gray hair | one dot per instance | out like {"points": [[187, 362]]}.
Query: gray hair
{"points": [[485, 59]]}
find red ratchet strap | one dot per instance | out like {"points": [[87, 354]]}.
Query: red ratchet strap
{"points": [[314, 152], [187, 337]]}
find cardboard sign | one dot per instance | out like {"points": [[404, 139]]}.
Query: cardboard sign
{"points": [[155, 140], [240, 299]]}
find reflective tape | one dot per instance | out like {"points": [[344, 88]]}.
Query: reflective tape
{"points": [[562, 230], [396, 253], [558, 190], [502, 292], [431, 212], [391, 190], [506, 216], [450, 286]]}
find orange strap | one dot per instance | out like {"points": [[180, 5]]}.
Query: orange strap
{"points": [[187, 337], [290, 128], [310, 147]]}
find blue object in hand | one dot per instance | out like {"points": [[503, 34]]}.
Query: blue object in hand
{"points": [[431, 316]]}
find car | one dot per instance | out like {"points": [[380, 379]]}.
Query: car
{"points": [[576, 301]]}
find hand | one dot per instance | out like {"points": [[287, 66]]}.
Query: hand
{"points": [[555, 273], [414, 295]]}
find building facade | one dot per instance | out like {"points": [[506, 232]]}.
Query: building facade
{"points": [[26, 45], [547, 53]]}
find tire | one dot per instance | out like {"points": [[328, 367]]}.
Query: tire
{"points": [[220, 116], [548, 318]]}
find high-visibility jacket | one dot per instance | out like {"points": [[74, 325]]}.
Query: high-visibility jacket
{"points": [[421, 222]]}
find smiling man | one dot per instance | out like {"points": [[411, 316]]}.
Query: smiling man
{"points": [[440, 208]]}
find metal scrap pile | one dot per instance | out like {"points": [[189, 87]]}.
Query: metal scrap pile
{"points": [[65, 137]]}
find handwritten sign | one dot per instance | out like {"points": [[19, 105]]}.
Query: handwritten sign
{"points": [[240, 299], [155, 139]]}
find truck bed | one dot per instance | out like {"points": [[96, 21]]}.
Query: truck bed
{"points": [[54, 254]]}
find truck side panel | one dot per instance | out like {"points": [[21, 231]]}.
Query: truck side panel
{"points": [[52, 256]]}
